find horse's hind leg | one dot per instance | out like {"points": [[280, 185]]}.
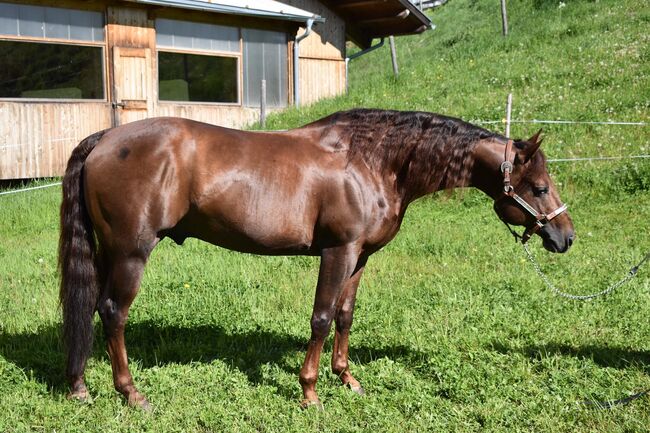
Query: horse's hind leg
{"points": [[123, 275], [343, 319]]}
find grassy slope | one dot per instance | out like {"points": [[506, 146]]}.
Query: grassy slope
{"points": [[451, 333]]}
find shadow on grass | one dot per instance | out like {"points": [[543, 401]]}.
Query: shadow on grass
{"points": [[605, 356], [41, 355]]}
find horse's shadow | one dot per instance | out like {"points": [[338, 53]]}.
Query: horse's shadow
{"points": [[40, 354], [605, 356]]}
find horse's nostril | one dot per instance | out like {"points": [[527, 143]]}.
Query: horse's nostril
{"points": [[570, 240]]}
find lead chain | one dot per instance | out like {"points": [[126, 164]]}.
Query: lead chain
{"points": [[631, 274]]}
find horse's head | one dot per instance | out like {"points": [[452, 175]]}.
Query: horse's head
{"points": [[528, 196]]}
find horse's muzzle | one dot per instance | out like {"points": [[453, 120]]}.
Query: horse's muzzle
{"points": [[555, 241]]}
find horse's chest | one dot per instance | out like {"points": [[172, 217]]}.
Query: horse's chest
{"points": [[383, 232]]}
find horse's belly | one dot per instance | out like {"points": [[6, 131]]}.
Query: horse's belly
{"points": [[250, 239], [260, 227], [268, 246]]}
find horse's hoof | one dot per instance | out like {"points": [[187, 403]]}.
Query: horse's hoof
{"points": [[80, 395], [146, 406], [306, 404], [142, 403], [357, 389]]}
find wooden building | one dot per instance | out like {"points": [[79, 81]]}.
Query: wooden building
{"points": [[73, 67]]}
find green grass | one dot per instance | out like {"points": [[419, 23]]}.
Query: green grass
{"points": [[453, 330]]}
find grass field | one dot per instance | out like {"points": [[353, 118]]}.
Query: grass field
{"points": [[453, 330]]}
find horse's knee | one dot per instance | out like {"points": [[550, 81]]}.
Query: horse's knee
{"points": [[320, 325]]}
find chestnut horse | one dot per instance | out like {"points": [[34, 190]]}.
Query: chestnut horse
{"points": [[336, 188]]}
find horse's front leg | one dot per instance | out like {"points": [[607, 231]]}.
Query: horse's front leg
{"points": [[336, 266], [343, 319]]}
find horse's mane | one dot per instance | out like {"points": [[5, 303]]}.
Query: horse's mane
{"points": [[434, 149]]}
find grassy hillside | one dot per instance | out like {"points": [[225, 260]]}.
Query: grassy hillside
{"points": [[453, 330], [585, 61]]}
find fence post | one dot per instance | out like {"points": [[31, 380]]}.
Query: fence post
{"points": [[263, 104], [347, 80], [393, 55], [508, 114], [504, 18]]}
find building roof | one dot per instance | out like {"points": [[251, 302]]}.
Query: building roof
{"points": [[364, 19], [254, 8], [368, 19]]}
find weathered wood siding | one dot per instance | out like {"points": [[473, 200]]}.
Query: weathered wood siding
{"points": [[36, 139], [228, 116], [322, 55], [131, 40], [320, 79], [327, 40], [130, 27]]}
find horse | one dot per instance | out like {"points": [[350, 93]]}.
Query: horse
{"points": [[337, 188]]}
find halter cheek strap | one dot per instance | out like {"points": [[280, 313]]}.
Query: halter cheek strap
{"points": [[541, 219]]}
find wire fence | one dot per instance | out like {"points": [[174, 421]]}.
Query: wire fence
{"points": [[508, 121], [15, 191], [598, 158], [487, 122], [560, 122]]}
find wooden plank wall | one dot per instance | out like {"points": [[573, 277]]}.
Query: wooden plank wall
{"points": [[322, 55], [36, 139], [131, 40], [228, 116], [321, 79], [130, 27], [327, 40]]}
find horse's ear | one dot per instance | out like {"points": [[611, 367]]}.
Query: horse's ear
{"points": [[526, 149]]}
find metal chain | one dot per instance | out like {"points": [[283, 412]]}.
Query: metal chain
{"points": [[631, 274]]}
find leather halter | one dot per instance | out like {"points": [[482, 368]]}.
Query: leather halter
{"points": [[541, 219]]}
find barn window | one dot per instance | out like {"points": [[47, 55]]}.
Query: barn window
{"points": [[51, 53], [197, 62], [265, 58], [196, 78]]}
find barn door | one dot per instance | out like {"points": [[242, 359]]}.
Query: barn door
{"points": [[131, 84]]}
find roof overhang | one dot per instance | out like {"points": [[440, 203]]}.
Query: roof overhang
{"points": [[368, 19], [251, 8]]}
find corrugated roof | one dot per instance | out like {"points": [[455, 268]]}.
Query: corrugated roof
{"points": [[254, 8], [368, 19]]}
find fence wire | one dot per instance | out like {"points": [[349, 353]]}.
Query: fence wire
{"points": [[560, 122], [15, 191], [480, 122]]}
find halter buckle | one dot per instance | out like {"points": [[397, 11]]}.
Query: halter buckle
{"points": [[506, 166]]}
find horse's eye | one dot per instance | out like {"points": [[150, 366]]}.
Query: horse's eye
{"points": [[539, 190]]}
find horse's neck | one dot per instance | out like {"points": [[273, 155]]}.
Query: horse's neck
{"points": [[439, 168]]}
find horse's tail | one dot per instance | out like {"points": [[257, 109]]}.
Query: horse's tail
{"points": [[77, 262]]}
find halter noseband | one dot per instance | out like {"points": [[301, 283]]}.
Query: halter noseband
{"points": [[541, 219]]}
